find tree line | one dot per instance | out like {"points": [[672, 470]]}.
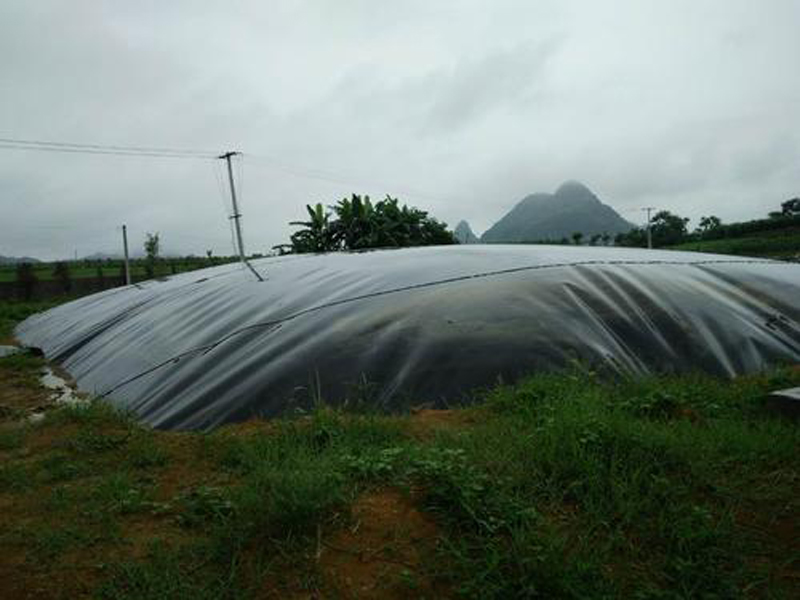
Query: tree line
{"points": [[668, 229], [356, 223]]}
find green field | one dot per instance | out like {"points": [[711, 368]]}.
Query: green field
{"points": [[562, 486], [113, 268], [780, 243]]}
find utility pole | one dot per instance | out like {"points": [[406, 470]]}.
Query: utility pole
{"points": [[649, 235], [236, 214], [127, 263]]}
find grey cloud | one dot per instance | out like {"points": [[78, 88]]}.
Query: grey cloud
{"points": [[459, 107], [508, 78]]}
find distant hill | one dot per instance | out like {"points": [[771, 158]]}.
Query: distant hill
{"points": [[464, 234], [554, 216], [13, 260]]}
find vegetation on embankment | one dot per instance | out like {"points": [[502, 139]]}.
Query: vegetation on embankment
{"points": [[775, 237], [43, 281], [777, 243], [13, 312], [562, 486], [113, 268]]}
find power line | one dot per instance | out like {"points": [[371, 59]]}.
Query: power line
{"points": [[127, 148], [75, 147], [7, 143], [103, 152], [19, 144], [309, 173]]}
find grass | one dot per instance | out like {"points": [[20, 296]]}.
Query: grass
{"points": [[564, 487], [89, 277], [113, 268], [780, 243], [12, 312], [561, 486]]}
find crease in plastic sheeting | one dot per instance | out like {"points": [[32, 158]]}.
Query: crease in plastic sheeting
{"points": [[95, 331], [179, 357], [753, 311], [226, 382], [624, 357], [509, 324], [102, 326], [717, 290]]}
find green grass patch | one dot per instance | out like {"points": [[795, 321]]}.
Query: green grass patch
{"points": [[24, 367], [14, 477], [781, 243], [114, 269], [12, 439], [167, 573], [12, 312], [643, 482], [144, 452], [49, 542], [96, 416], [568, 486]]}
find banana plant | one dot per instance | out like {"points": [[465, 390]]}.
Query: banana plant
{"points": [[355, 225], [317, 234], [358, 224]]}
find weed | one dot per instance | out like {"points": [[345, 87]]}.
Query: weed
{"points": [[93, 413], [408, 580], [286, 501], [12, 439], [118, 493], [362, 397], [144, 453], [14, 477], [203, 506], [656, 404], [58, 467], [22, 363], [374, 464], [59, 499], [49, 542], [167, 573], [90, 440]]}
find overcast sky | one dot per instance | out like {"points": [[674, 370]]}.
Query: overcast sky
{"points": [[461, 108]]}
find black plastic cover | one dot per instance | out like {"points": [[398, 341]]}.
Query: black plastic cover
{"points": [[414, 326]]}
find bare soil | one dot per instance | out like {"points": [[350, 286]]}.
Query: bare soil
{"points": [[387, 552]]}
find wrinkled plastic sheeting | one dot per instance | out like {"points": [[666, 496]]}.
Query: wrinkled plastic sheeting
{"points": [[397, 328]]}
